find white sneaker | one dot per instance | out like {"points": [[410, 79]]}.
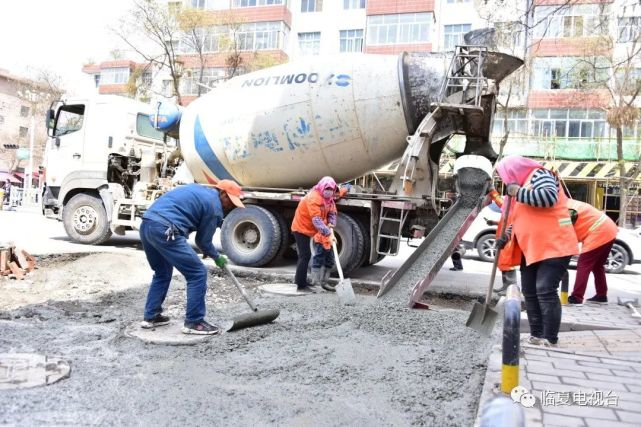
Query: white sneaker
{"points": [[535, 340], [547, 343]]}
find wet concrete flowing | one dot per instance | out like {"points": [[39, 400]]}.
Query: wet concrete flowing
{"points": [[320, 363], [442, 240]]}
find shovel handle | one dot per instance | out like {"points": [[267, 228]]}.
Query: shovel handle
{"points": [[240, 288], [336, 261], [496, 256]]}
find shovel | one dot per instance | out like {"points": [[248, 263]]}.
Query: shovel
{"points": [[344, 288], [255, 317], [482, 318]]}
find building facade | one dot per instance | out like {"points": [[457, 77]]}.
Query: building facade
{"points": [[20, 117]]}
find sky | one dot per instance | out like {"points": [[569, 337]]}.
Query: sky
{"points": [[58, 35]]}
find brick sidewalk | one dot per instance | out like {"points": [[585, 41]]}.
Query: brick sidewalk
{"points": [[592, 379]]}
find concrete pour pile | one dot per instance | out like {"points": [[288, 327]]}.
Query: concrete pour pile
{"points": [[318, 364]]}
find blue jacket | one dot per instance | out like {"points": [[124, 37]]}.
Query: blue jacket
{"points": [[190, 208]]}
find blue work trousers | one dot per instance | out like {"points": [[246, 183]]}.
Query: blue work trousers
{"points": [[540, 282], [163, 255], [322, 257]]}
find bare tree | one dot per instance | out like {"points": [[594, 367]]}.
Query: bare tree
{"points": [[160, 32], [194, 26], [39, 93], [611, 65]]}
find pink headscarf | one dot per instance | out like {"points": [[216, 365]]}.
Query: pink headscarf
{"points": [[325, 183], [516, 169]]}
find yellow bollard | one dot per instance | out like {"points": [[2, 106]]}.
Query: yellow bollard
{"points": [[565, 283], [511, 337]]}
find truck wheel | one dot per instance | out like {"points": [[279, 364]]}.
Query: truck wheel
{"points": [[364, 261], [284, 232], [486, 247], [250, 236], [349, 243], [85, 220], [617, 259]]}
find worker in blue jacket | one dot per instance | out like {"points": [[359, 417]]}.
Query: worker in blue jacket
{"points": [[165, 228]]}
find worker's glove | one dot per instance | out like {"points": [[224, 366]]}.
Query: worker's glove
{"points": [[221, 261], [491, 188], [512, 189], [490, 222], [502, 241], [326, 231]]}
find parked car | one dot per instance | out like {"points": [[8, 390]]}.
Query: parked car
{"points": [[480, 236]]}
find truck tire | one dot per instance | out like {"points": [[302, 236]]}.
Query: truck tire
{"points": [[617, 259], [486, 247], [350, 243], [250, 236], [364, 261], [285, 234], [85, 220]]}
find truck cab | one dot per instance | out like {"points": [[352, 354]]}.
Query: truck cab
{"points": [[98, 149]]}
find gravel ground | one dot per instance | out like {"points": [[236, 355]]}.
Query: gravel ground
{"points": [[375, 363]]}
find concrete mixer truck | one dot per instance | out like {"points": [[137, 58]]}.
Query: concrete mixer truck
{"points": [[276, 132]]}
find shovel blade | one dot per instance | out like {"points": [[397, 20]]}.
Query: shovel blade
{"points": [[345, 292], [482, 319]]}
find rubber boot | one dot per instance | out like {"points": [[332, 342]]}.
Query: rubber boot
{"points": [[325, 272], [316, 277]]}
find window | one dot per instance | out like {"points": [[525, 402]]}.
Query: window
{"points": [[561, 123], [309, 43], [510, 35], [23, 132], [570, 21], [454, 35], [627, 85], [205, 39], [569, 72], [351, 41], [114, 76], [517, 122], [629, 29], [260, 36], [311, 5], [144, 128], [211, 76], [399, 29], [252, 3], [96, 79], [69, 119], [24, 111], [353, 4]]}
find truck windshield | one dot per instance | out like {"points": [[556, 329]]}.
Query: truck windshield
{"points": [[144, 128], [70, 118]]}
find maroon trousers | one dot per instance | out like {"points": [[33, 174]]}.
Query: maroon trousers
{"points": [[592, 262]]}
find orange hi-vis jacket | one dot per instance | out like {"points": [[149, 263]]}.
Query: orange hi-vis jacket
{"points": [[593, 228], [310, 206], [543, 233]]}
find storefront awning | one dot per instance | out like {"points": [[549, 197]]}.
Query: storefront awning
{"points": [[6, 176], [588, 170]]}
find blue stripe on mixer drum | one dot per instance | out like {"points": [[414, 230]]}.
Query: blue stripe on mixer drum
{"points": [[207, 154]]}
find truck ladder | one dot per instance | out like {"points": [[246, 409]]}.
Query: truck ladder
{"points": [[390, 226]]}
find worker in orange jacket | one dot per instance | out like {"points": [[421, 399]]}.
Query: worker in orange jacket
{"points": [[596, 232], [542, 229], [316, 214]]}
